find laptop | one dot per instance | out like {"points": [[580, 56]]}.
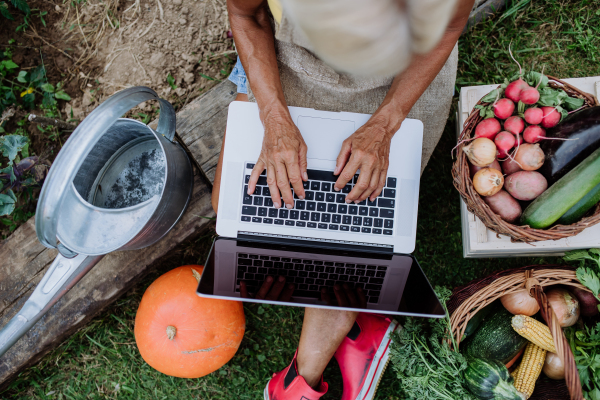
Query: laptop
{"points": [[322, 242]]}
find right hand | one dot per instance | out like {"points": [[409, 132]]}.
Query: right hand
{"points": [[345, 295], [283, 155], [277, 291]]}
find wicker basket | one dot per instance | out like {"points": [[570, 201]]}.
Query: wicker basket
{"points": [[467, 300], [476, 205]]}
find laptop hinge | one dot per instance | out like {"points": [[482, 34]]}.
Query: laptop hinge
{"points": [[316, 242]]}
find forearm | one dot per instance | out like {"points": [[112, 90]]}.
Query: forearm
{"points": [[255, 44]]}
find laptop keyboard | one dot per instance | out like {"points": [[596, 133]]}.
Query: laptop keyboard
{"points": [[323, 207], [308, 275]]}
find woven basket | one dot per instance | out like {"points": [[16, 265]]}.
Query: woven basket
{"points": [[467, 300], [476, 205]]}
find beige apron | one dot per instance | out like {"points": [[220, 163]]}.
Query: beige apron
{"points": [[309, 82]]}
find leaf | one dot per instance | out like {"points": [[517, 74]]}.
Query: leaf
{"points": [[47, 87], [533, 78], [261, 357], [7, 203], [171, 81], [575, 255], [573, 103], [21, 5], [22, 77], [11, 145], [9, 64], [28, 100], [589, 279], [61, 95], [520, 107], [551, 97], [207, 77], [4, 11], [37, 74]]}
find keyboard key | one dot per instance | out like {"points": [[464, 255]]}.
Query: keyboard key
{"points": [[380, 274], [257, 191], [340, 198], [353, 278], [389, 193], [342, 209], [329, 268], [322, 226], [368, 221], [355, 229], [372, 267], [333, 277], [262, 181], [262, 211], [247, 199], [373, 287], [254, 257], [245, 218], [283, 213], [304, 215], [311, 225], [357, 221], [257, 263], [355, 178], [373, 212], [266, 191], [331, 208], [326, 186], [244, 261], [294, 214], [330, 197], [305, 185], [267, 220], [300, 204], [387, 203], [388, 223], [315, 217], [366, 230], [378, 223], [336, 219], [363, 279], [256, 219], [321, 207], [323, 275], [372, 203], [247, 178], [311, 206], [344, 278], [317, 175], [309, 195], [377, 231], [391, 182], [320, 196], [289, 222], [347, 189], [258, 201], [346, 219], [325, 217], [363, 211], [249, 210], [273, 212], [249, 166], [339, 270], [301, 224], [315, 186], [344, 228], [333, 227], [386, 213], [388, 232], [353, 210], [362, 203], [268, 202]]}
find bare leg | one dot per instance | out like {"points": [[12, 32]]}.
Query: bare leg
{"points": [[322, 333], [217, 182]]}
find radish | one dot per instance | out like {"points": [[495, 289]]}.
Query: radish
{"points": [[504, 108], [551, 117], [530, 96], [514, 89], [488, 128], [533, 134], [504, 141], [534, 116], [530, 156], [519, 140], [514, 125]]}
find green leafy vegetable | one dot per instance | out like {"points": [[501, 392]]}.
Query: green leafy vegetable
{"points": [[573, 103], [7, 202], [533, 79], [426, 366], [588, 276], [171, 81], [585, 344]]}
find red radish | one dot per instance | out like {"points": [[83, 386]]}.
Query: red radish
{"points": [[504, 108], [509, 167], [474, 168], [513, 90], [533, 134], [488, 128], [530, 156], [504, 141], [551, 117], [534, 116], [514, 125], [519, 140], [530, 96]]}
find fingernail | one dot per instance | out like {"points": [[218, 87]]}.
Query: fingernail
{"points": [[301, 197], [290, 206], [356, 201], [269, 279], [336, 189], [305, 176], [277, 205], [281, 279], [335, 171], [348, 201]]}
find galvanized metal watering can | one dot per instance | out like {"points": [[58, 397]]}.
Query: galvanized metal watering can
{"points": [[115, 185]]}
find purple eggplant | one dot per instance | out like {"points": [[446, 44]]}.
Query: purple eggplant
{"points": [[564, 155]]}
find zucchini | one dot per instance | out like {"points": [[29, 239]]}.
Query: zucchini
{"points": [[564, 194], [495, 339], [583, 206], [564, 155], [489, 379], [476, 320]]}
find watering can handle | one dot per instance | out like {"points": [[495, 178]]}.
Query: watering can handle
{"points": [[79, 145]]}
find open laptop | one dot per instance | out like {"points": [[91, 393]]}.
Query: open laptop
{"points": [[322, 240]]}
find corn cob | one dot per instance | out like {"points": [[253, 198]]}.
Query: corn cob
{"points": [[534, 331], [530, 369], [515, 372]]}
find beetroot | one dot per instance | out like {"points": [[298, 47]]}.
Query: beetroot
{"points": [[514, 125], [588, 304], [513, 90], [504, 108], [488, 128], [534, 116], [530, 96], [551, 117], [533, 134]]}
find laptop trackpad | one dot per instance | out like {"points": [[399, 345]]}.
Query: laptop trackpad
{"points": [[324, 136]]}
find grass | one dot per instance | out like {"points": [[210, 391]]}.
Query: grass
{"points": [[102, 362]]}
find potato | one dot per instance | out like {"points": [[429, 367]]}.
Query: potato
{"points": [[510, 167], [504, 205], [526, 185]]}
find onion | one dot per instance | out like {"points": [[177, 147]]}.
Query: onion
{"points": [[474, 168], [520, 303], [488, 181], [587, 302], [481, 152], [554, 367], [565, 306]]}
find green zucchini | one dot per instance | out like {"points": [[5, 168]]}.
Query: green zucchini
{"points": [[476, 320], [583, 206], [495, 339], [489, 379], [564, 194]]}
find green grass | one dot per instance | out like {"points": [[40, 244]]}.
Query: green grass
{"points": [[101, 361]]}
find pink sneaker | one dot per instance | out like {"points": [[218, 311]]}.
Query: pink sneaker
{"points": [[289, 385], [363, 355]]}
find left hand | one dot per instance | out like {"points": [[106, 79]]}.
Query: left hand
{"points": [[367, 149]]}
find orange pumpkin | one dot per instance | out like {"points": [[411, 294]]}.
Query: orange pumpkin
{"points": [[181, 334]]}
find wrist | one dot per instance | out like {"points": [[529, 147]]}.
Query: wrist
{"points": [[387, 122], [275, 111]]}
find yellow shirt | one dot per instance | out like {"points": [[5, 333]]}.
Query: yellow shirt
{"points": [[276, 10]]}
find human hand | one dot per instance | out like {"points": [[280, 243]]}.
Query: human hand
{"points": [[269, 291], [346, 296], [283, 154], [367, 149]]}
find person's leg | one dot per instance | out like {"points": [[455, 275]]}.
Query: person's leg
{"points": [[322, 332], [217, 182]]}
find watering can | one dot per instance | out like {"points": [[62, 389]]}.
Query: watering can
{"points": [[116, 184]]}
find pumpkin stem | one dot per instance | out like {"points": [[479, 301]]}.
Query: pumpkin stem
{"points": [[171, 330], [196, 275]]}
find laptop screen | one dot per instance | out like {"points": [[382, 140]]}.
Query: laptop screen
{"points": [[317, 276]]}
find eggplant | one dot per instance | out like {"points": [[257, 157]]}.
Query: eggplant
{"points": [[564, 155]]}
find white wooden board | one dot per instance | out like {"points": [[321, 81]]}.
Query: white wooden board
{"points": [[478, 241]]}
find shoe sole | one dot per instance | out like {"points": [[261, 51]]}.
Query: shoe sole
{"points": [[267, 392], [378, 366]]}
